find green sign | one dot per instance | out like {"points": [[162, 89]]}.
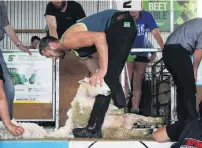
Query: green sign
{"points": [[184, 10], [160, 9]]}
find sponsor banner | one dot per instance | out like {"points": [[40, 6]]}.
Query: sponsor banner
{"points": [[160, 10], [32, 76], [184, 10]]}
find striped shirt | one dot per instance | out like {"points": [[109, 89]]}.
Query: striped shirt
{"points": [[3, 19]]}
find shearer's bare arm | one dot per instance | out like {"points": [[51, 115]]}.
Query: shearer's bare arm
{"points": [[77, 37]]}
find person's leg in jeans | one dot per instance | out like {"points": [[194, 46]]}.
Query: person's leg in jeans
{"points": [[9, 89], [8, 85], [177, 61], [119, 46]]}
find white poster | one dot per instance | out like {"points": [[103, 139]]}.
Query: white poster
{"points": [[32, 76]]}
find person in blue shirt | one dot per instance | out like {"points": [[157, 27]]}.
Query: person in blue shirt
{"points": [[140, 60]]}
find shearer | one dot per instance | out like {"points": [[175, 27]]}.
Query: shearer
{"points": [[110, 33]]}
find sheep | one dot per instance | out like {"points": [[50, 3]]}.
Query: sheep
{"points": [[117, 124]]}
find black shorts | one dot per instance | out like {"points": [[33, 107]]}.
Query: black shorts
{"points": [[142, 59]]}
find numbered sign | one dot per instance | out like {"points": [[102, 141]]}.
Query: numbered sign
{"points": [[126, 5]]}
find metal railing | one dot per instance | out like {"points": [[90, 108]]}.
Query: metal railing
{"points": [[161, 76]]}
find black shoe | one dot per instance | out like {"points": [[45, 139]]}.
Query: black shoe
{"points": [[86, 133], [78, 130]]}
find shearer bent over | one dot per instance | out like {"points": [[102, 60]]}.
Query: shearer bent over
{"points": [[111, 34]]}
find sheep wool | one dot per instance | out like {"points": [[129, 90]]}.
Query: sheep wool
{"points": [[116, 124]]}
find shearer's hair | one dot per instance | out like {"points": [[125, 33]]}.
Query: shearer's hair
{"points": [[44, 42]]}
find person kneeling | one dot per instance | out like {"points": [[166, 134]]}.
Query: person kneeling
{"points": [[186, 133]]}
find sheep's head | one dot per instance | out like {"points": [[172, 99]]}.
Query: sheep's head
{"points": [[92, 91]]}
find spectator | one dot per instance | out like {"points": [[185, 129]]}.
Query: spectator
{"points": [[34, 42], [183, 42], [8, 84], [139, 61], [60, 15]]}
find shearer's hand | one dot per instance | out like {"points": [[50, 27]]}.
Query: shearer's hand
{"points": [[15, 130], [98, 77]]}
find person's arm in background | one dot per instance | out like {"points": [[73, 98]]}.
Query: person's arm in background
{"points": [[51, 20], [12, 35], [10, 31], [4, 113], [157, 36], [197, 56], [52, 25], [160, 135], [153, 27], [196, 61], [149, 45], [80, 12], [170, 132]]}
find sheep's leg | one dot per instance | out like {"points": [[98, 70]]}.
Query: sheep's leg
{"points": [[113, 121], [131, 119]]}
